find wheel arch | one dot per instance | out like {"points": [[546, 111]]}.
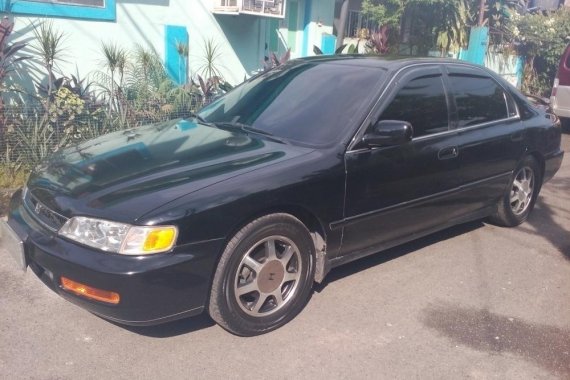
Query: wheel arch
{"points": [[541, 162], [308, 219], [539, 158]]}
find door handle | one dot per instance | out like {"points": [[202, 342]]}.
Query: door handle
{"points": [[448, 153]]}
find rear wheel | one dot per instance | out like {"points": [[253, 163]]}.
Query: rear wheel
{"points": [[565, 124], [520, 196], [264, 277]]}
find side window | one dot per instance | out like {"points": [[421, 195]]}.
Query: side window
{"points": [[423, 104], [479, 99]]}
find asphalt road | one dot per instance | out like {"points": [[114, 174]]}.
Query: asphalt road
{"points": [[475, 301]]}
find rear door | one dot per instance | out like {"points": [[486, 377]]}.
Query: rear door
{"points": [[491, 138]]}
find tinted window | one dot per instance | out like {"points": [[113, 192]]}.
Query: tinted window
{"points": [[479, 99], [307, 102], [422, 103]]}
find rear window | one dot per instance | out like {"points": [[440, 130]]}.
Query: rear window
{"points": [[479, 99], [311, 103]]}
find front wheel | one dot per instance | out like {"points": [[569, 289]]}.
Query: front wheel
{"points": [[264, 277], [519, 198]]}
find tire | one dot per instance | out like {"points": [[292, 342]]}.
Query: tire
{"points": [[565, 122], [520, 196], [264, 277]]}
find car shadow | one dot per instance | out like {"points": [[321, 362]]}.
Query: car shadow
{"points": [[542, 223], [483, 330], [393, 253]]}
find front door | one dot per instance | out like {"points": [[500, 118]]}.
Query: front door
{"points": [[394, 193]]}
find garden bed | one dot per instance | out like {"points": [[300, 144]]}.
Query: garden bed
{"points": [[5, 195]]}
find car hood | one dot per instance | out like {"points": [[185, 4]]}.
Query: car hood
{"points": [[123, 175]]}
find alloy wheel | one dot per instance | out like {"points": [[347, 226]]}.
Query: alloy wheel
{"points": [[268, 276], [522, 190]]}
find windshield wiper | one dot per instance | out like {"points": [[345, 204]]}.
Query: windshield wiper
{"points": [[199, 118], [247, 128]]}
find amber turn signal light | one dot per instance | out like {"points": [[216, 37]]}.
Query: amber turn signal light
{"points": [[90, 292]]}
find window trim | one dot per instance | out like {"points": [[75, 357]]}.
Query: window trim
{"points": [[398, 80], [506, 91], [394, 84], [106, 13]]}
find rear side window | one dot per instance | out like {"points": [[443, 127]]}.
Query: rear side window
{"points": [[422, 103], [479, 99]]}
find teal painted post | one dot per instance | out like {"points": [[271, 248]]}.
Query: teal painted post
{"points": [[307, 24], [328, 43], [478, 42], [176, 65]]}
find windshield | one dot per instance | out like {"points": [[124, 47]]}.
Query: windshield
{"points": [[307, 102]]}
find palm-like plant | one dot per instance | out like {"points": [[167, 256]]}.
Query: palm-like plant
{"points": [[210, 66], [48, 44], [452, 28], [443, 23], [115, 60]]}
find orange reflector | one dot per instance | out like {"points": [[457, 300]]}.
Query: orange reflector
{"points": [[90, 292]]}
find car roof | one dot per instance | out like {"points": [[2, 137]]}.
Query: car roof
{"points": [[388, 63]]}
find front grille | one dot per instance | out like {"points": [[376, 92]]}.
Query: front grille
{"points": [[42, 213]]}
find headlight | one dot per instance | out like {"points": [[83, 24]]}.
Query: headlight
{"points": [[119, 237]]}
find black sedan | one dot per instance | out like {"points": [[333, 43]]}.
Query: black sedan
{"points": [[313, 164]]}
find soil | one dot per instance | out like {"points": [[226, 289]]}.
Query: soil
{"points": [[5, 195]]}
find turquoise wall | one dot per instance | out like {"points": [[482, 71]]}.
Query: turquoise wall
{"points": [[245, 33], [176, 65]]}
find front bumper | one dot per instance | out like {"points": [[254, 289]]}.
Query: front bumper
{"points": [[153, 289]]}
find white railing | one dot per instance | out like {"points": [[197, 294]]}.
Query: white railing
{"points": [[268, 8]]}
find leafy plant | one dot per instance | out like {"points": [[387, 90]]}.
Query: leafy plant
{"points": [[36, 138], [208, 88], [378, 42], [541, 39], [384, 12], [271, 60], [318, 51]]}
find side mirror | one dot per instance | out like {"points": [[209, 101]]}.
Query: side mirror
{"points": [[389, 133]]}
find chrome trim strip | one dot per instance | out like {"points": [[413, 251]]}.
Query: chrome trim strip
{"points": [[414, 202], [449, 132]]}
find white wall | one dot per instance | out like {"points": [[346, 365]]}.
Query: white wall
{"points": [[141, 22]]}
